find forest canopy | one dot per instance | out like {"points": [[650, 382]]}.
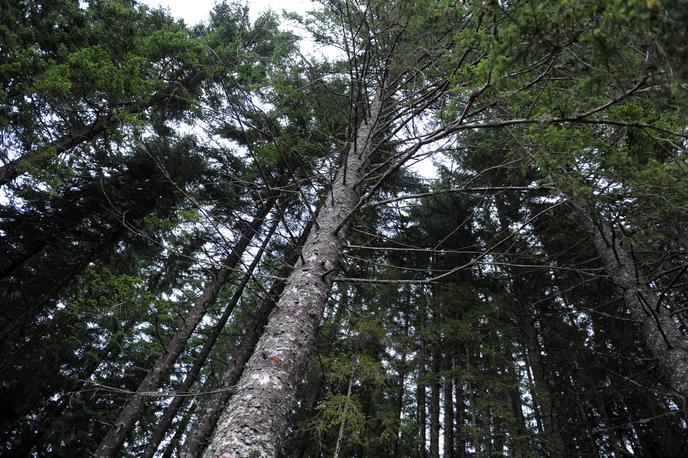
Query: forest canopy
{"points": [[214, 242]]}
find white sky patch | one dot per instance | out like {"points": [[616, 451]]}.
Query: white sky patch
{"points": [[197, 11]]}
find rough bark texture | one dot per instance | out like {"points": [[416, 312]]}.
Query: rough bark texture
{"points": [[199, 435], [133, 409], [199, 361], [256, 419], [661, 335]]}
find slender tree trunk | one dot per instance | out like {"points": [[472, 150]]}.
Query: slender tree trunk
{"points": [[545, 394], [521, 437], [256, 419], [435, 407], [179, 431], [133, 408], [459, 412], [448, 408], [401, 384], [420, 386], [16, 167], [399, 404], [199, 361], [342, 425], [660, 333], [198, 437], [475, 414]]}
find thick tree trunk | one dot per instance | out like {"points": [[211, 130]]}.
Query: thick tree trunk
{"points": [[198, 437], [199, 361], [302, 437], [133, 409], [661, 335], [256, 419]]}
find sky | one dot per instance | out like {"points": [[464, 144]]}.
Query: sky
{"points": [[195, 11]]}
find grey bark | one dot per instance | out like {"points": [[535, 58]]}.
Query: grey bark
{"points": [[256, 419], [134, 407], [199, 361], [660, 333], [199, 435]]}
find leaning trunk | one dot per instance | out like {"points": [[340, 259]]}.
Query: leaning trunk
{"points": [[134, 407], [198, 437], [659, 331], [256, 419], [199, 361]]}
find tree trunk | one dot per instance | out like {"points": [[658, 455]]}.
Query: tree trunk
{"points": [[256, 419], [435, 407], [448, 408], [180, 429], [342, 425], [199, 361], [198, 437], [16, 167], [133, 408], [544, 391], [660, 333], [420, 386], [459, 412]]}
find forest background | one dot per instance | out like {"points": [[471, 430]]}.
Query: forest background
{"points": [[215, 243]]}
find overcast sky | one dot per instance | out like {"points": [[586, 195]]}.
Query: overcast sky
{"points": [[195, 11]]}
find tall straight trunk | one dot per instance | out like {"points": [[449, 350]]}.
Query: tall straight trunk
{"points": [[435, 407], [199, 361], [475, 414], [521, 437], [420, 386], [660, 333], [197, 438], [448, 389], [545, 393], [134, 407], [344, 413], [401, 385], [256, 419], [459, 413], [399, 404], [179, 431]]}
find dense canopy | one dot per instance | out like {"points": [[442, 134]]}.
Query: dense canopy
{"points": [[461, 231]]}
